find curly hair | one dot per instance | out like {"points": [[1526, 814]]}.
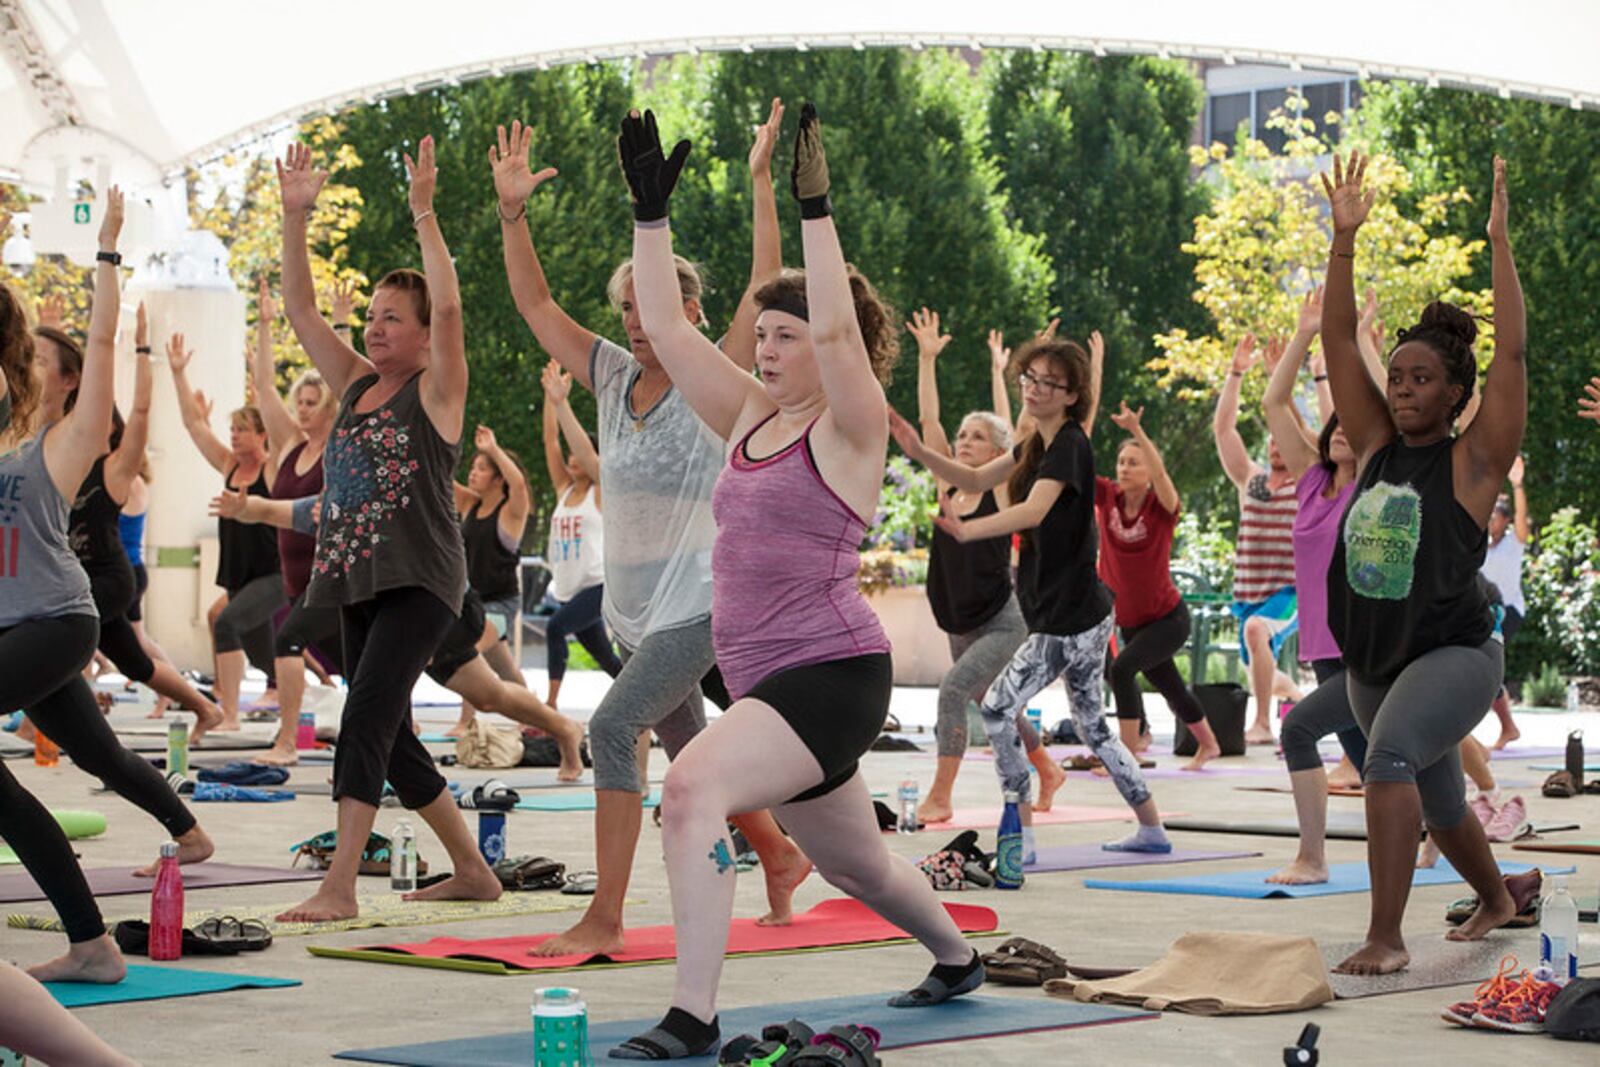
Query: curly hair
{"points": [[1450, 332], [874, 315], [16, 362]]}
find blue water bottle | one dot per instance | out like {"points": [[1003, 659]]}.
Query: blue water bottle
{"points": [[1008, 850], [492, 836]]}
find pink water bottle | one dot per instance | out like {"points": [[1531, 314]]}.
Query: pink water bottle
{"points": [[166, 907], [305, 736]]}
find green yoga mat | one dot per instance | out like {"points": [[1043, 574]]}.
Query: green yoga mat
{"points": [[147, 982], [583, 801]]}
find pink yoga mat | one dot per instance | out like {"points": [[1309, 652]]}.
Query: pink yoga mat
{"points": [[116, 881], [840, 921], [1090, 857]]}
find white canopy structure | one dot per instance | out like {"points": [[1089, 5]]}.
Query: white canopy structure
{"points": [[154, 85]]}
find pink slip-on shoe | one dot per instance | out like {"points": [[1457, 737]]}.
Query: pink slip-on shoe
{"points": [[1507, 821]]}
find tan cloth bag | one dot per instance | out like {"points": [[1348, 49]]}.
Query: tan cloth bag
{"points": [[1217, 974], [489, 746]]}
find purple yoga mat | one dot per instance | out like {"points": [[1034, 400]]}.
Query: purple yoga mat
{"points": [[1090, 857], [117, 881]]}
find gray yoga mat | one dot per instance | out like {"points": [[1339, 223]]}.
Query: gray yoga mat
{"points": [[146, 743], [1436, 962], [114, 881]]}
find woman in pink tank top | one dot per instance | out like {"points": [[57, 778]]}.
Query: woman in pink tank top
{"points": [[803, 655]]}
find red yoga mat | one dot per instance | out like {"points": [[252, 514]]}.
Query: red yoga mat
{"points": [[838, 922]]}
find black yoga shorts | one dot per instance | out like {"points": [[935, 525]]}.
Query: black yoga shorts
{"points": [[837, 708]]}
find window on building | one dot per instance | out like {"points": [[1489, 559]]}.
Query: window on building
{"points": [[1321, 99], [1227, 111], [1268, 101]]}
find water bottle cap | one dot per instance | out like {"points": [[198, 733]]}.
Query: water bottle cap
{"points": [[1010, 797], [169, 850]]}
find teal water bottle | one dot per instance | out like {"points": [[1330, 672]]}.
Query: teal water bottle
{"points": [[560, 1028]]}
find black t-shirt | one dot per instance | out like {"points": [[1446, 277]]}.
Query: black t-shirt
{"points": [[1403, 580], [1057, 586], [968, 583]]}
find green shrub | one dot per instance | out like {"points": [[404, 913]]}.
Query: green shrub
{"points": [[1546, 689], [1562, 583]]}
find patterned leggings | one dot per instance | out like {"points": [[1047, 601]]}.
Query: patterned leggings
{"points": [[1079, 660]]}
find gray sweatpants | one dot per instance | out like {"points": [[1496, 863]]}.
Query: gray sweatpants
{"points": [[1079, 660], [980, 655], [658, 689], [1415, 724]]}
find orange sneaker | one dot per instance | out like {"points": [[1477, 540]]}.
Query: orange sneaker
{"points": [[1463, 1012]]}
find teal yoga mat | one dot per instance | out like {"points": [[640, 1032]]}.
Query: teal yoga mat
{"points": [[1588, 768], [147, 982], [1252, 885], [957, 1020], [583, 801]]}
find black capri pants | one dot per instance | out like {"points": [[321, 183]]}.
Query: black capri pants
{"points": [[115, 591]]}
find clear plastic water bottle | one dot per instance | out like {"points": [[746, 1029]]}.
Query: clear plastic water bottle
{"points": [[166, 906], [1572, 694], [560, 1028], [908, 807], [1008, 849], [178, 749], [403, 858], [1558, 932]]}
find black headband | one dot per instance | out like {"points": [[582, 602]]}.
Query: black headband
{"points": [[790, 304]]}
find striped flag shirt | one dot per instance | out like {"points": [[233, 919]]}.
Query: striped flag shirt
{"points": [[1263, 561]]}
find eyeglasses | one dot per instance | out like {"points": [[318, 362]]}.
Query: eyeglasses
{"points": [[1026, 379]]}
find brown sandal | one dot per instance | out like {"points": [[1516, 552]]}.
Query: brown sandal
{"points": [[1023, 962], [1561, 784]]}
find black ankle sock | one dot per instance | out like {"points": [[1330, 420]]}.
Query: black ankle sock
{"points": [[952, 974], [696, 1035]]}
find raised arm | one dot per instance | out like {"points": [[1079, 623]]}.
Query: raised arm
{"points": [[715, 388], [240, 506], [1363, 411], [766, 253], [1519, 502], [444, 384], [1370, 339], [71, 451], [554, 378], [282, 430], [123, 465], [999, 360], [1296, 443], [1589, 403], [1492, 441], [194, 408], [335, 360], [924, 326], [578, 443], [1022, 516], [1160, 480], [1097, 366], [945, 468], [514, 183], [514, 516], [1236, 463]]}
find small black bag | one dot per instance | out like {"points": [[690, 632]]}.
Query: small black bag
{"points": [[1225, 706], [1574, 1015], [544, 752]]}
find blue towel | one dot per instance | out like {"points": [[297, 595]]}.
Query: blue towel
{"points": [[1253, 885], [245, 772], [223, 791]]}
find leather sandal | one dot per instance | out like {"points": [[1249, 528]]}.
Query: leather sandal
{"points": [[1560, 784], [1023, 962]]}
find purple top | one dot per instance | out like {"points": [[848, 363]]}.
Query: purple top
{"points": [[1316, 528], [783, 569]]}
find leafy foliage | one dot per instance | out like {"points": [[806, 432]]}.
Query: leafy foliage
{"points": [[1561, 581]]}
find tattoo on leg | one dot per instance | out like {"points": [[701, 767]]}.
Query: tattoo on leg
{"points": [[721, 857]]}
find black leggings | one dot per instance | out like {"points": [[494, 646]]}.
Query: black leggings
{"points": [[1149, 650], [141, 582], [114, 592], [305, 627], [580, 617], [246, 622], [402, 627]]}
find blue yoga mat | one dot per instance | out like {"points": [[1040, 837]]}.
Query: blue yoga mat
{"points": [[147, 982], [573, 801], [1252, 885], [957, 1020]]}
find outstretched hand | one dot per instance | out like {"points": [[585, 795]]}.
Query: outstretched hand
{"points": [[1311, 313], [949, 519], [905, 435], [423, 175], [1097, 349], [514, 180], [1589, 406], [1244, 354], [205, 405], [1274, 354], [557, 383], [998, 352], [141, 330], [766, 140], [1515, 475], [483, 440], [111, 224], [808, 178], [52, 311], [1500, 206], [924, 326], [266, 307], [651, 174], [229, 504], [1348, 202], [1049, 332], [344, 301], [1128, 418], [178, 357], [298, 181]]}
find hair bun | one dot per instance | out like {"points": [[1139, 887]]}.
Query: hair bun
{"points": [[1450, 319]]}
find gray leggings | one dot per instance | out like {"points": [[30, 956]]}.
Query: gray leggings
{"points": [[1325, 710], [246, 622], [1079, 660], [1415, 724], [980, 655], [658, 689]]}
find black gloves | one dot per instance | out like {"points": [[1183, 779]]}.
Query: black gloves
{"points": [[809, 178], [651, 175]]}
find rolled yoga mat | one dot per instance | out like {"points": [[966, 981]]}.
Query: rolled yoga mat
{"points": [[836, 923], [576, 801], [1253, 885], [965, 1018], [147, 982], [74, 824], [1570, 848], [116, 881], [1089, 857]]}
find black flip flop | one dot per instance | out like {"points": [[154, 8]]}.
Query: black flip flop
{"points": [[251, 935]]}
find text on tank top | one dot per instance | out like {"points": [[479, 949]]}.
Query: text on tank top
{"points": [[296, 550], [576, 548], [785, 592], [39, 575]]}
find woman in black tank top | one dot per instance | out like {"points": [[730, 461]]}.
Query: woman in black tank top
{"points": [[1403, 599]]}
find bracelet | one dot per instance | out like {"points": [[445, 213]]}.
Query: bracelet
{"points": [[113, 258], [518, 217], [1319, 377], [1236, 374], [1341, 255], [418, 220], [141, 350]]}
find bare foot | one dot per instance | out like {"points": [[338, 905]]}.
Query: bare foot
{"points": [[1300, 872], [206, 719], [1345, 775], [782, 881], [458, 730], [157, 712], [1520, 890], [1203, 755], [1427, 855], [281, 754], [325, 905], [1507, 735], [267, 702], [570, 742], [931, 811], [1146, 739], [1375, 958], [229, 724], [193, 847], [1051, 778], [477, 882], [588, 938], [1259, 735], [96, 961]]}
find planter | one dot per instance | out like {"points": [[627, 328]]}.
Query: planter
{"points": [[921, 650]]}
